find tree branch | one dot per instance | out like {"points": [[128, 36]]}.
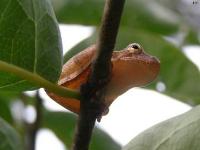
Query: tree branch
{"points": [[92, 102]]}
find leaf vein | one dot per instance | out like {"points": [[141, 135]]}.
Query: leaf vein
{"points": [[172, 133], [12, 84], [2, 15], [36, 49]]}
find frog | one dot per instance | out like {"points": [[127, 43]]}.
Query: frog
{"points": [[131, 67]]}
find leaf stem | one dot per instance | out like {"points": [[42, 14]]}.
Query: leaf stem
{"points": [[38, 80]]}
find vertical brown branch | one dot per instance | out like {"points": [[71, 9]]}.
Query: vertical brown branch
{"points": [[92, 102]]}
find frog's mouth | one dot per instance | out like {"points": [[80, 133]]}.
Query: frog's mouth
{"points": [[143, 63]]}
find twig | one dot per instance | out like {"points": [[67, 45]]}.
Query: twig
{"points": [[34, 127], [92, 102]]}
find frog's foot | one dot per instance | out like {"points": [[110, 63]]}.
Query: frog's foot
{"points": [[104, 111]]}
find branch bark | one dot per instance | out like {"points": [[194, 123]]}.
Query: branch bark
{"points": [[92, 102]]}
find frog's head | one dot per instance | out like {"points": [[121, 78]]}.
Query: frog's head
{"points": [[134, 67]]}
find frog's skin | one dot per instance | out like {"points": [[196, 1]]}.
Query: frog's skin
{"points": [[131, 67]]}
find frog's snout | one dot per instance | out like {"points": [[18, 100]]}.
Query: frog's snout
{"points": [[155, 59], [155, 66]]}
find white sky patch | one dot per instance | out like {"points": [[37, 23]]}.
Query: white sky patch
{"points": [[29, 114], [72, 34], [46, 139], [193, 53]]}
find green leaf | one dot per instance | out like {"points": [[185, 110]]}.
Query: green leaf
{"points": [[5, 111], [192, 38], [9, 96], [9, 138], [179, 133], [137, 14], [30, 39], [150, 16], [86, 12], [63, 125]]}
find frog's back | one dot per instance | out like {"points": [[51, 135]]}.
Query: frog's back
{"points": [[77, 64], [75, 73]]}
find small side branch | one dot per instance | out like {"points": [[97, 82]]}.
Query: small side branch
{"points": [[33, 128], [92, 102]]}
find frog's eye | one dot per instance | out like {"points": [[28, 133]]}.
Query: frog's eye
{"points": [[135, 48]]}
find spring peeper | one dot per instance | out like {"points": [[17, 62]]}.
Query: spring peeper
{"points": [[131, 67]]}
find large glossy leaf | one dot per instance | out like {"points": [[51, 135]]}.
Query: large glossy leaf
{"points": [[179, 133], [9, 139], [141, 14], [63, 125], [30, 39]]}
